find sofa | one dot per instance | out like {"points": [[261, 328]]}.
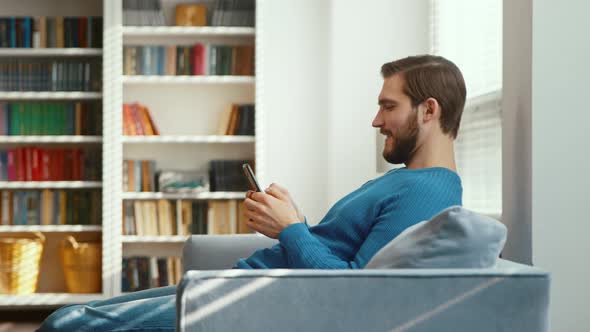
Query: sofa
{"points": [[212, 297]]}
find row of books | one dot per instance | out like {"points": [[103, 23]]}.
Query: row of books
{"points": [[50, 75], [36, 164], [228, 175], [43, 31], [137, 120], [139, 175], [143, 13], [142, 272], [164, 217], [233, 13], [237, 120], [50, 207], [199, 59], [50, 118]]}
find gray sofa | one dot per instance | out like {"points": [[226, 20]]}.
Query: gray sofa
{"points": [[510, 297]]}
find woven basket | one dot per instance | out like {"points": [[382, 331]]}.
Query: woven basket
{"points": [[20, 258], [82, 262]]}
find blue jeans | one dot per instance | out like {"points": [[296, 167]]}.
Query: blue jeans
{"points": [[148, 310]]}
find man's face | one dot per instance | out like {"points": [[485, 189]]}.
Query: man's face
{"points": [[397, 120]]}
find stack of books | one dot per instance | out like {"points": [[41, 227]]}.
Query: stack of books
{"points": [[237, 120], [50, 207], [50, 118], [36, 164], [50, 75], [50, 32], [137, 120], [228, 175], [198, 59], [162, 217], [143, 272]]}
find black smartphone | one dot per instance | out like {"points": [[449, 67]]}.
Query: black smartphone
{"points": [[251, 178]]}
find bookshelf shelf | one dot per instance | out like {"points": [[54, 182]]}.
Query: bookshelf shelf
{"points": [[156, 79], [187, 139], [47, 299], [50, 52], [155, 239], [48, 95], [50, 139], [50, 228], [173, 31], [175, 196], [50, 184]]}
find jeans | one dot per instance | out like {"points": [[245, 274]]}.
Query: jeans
{"points": [[148, 310]]}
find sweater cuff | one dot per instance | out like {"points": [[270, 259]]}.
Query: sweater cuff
{"points": [[289, 235]]}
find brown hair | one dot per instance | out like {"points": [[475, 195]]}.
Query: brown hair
{"points": [[429, 76]]}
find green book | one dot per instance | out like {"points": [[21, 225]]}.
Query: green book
{"points": [[36, 119], [14, 119]]}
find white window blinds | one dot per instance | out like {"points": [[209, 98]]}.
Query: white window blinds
{"points": [[469, 33]]}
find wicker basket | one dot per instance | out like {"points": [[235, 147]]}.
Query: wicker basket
{"points": [[20, 258], [81, 262]]}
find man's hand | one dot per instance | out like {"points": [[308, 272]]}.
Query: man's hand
{"points": [[272, 211]]}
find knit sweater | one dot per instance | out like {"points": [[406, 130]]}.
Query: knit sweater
{"points": [[362, 222]]}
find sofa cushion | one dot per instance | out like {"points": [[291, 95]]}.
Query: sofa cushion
{"points": [[454, 238]]}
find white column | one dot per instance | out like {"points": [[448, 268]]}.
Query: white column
{"points": [[546, 133]]}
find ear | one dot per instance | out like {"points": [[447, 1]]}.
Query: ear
{"points": [[431, 109]]}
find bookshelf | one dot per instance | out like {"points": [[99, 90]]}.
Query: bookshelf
{"points": [[51, 290], [186, 110]]}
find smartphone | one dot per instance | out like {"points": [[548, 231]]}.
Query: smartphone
{"points": [[251, 178]]}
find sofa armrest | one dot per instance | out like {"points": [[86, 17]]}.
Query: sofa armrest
{"points": [[215, 252], [364, 300]]}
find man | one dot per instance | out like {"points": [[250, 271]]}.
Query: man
{"points": [[420, 107]]}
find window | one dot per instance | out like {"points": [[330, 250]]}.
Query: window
{"points": [[469, 33]]}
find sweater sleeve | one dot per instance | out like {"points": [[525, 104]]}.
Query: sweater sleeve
{"points": [[398, 212]]}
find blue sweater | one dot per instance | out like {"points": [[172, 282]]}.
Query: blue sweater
{"points": [[362, 222]]}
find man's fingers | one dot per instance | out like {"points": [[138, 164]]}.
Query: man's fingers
{"points": [[252, 205], [275, 192]]}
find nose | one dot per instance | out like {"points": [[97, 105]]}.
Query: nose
{"points": [[377, 121]]}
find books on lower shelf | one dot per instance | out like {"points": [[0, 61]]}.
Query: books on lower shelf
{"points": [[36, 164], [198, 59], [137, 120], [44, 31], [50, 75], [164, 217], [143, 176], [50, 207], [50, 118], [143, 272], [237, 119]]}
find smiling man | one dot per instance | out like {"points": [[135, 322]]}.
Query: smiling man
{"points": [[420, 107]]}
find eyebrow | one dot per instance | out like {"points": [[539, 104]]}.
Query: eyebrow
{"points": [[387, 101]]}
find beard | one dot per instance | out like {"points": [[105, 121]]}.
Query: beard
{"points": [[404, 143]]}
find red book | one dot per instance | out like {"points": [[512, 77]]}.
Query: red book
{"points": [[11, 165], [45, 165], [36, 163], [198, 60], [28, 164], [20, 164], [67, 165]]}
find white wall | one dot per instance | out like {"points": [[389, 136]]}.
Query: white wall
{"points": [[363, 37], [550, 105], [294, 66], [321, 77]]}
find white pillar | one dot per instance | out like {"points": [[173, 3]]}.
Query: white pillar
{"points": [[546, 128]]}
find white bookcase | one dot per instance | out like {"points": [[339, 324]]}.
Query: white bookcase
{"points": [[186, 110]]}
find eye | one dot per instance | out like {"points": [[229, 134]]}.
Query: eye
{"points": [[389, 107]]}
